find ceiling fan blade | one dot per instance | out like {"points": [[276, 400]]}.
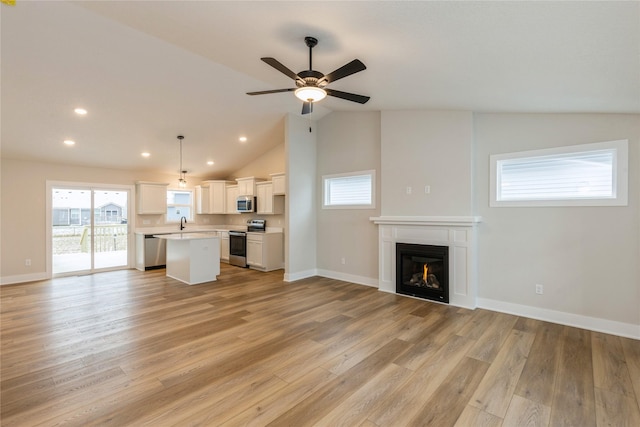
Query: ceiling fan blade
{"points": [[348, 96], [307, 107], [284, 70], [346, 70], [264, 92]]}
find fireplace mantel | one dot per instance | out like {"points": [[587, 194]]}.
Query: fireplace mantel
{"points": [[456, 232], [467, 221]]}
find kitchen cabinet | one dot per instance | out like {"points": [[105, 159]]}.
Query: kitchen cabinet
{"points": [[247, 186], [279, 185], [267, 203], [202, 199], [211, 198], [265, 251], [224, 245], [151, 197], [232, 195]]}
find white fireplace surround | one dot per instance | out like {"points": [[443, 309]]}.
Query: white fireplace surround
{"points": [[456, 232]]}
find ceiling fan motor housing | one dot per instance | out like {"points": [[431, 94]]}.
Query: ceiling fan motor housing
{"points": [[310, 78]]}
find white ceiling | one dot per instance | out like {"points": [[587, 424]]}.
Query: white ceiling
{"points": [[150, 70]]}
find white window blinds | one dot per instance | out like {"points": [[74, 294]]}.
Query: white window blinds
{"points": [[567, 176], [349, 190], [580, 175]]}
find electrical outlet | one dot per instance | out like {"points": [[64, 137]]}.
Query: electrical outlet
{"points": [[27, 262], [146, 222], [539, 289], [343, 261], [409, 189], [205, 220], [427, 189]]}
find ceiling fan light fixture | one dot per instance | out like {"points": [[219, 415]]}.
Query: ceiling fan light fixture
{"points": [[310, 94]]}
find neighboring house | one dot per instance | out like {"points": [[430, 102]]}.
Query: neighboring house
{"points": [[107, 214]]}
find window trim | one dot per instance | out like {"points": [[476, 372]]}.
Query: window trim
{"points": [[190, 206], [620, 176], [370, 172]]}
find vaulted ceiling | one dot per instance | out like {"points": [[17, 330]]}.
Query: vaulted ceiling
{"points": [[147, 71]]}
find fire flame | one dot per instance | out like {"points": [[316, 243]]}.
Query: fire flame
{"points": [[425, 270]]}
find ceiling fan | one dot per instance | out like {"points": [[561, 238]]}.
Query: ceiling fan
{"points": [[311, 84]]}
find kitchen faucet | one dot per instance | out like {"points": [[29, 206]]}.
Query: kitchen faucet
{"points": [[183, 222]]}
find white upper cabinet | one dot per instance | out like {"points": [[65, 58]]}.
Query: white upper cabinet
{"points": [[212, 197], [279, 185], [151, 197], [267, 203], [202, 199], [232, 195], [247, 186]]}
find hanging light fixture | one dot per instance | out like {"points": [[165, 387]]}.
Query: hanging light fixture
{"points": [[182, 181]]}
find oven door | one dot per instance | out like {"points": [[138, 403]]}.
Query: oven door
{"points": [[238, 248]]}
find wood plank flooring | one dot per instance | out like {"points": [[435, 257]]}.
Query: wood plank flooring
{"points": [[128, 348]]}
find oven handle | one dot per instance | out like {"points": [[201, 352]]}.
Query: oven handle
{"points": [[237, 233]]}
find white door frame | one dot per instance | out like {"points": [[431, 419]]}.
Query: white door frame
{"points": [[50, 185]]}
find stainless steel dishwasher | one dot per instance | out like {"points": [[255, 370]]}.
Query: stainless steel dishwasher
{"points": [[155, 252]]}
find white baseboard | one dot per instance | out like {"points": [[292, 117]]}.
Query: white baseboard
{"points": [[612, 327], [360, 280], [292, 277], [22, 278]]}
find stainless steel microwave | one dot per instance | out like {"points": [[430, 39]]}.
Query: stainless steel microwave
{"points": [[246, 204]]}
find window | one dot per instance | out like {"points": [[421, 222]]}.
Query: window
{"points": [[579, 175], [179, 204], [354, 190]]}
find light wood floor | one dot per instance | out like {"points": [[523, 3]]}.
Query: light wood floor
{"points": [[130, 348]]}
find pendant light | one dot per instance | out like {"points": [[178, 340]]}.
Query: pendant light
{"points": [[182, 181]]}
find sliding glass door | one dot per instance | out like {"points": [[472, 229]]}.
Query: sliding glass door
{"points": [[89, 229]]}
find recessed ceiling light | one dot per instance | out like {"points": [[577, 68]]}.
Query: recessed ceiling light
{"points": [[80, 111], [145, 154], [69, 142], [243, 139], [210, 162]]}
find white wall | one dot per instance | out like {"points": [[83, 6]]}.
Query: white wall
{"points": [[300, 203], [348, 142], [422, 148], [587, 258]]}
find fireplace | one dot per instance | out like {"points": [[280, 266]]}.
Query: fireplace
{"points": [[423, 271]]}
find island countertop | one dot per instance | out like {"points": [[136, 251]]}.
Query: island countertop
{"points": [[186, 236]]}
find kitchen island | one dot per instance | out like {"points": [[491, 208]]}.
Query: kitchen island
{"points": [[192, 258]]}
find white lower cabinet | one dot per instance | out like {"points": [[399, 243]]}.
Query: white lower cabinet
{"points": [[224, 245], [265, 251]]}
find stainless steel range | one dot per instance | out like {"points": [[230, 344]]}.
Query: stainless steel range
{"points": [[238, 241]]}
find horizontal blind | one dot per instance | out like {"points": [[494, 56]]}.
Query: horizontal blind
{"points": [[580, 175], [348, 190]]}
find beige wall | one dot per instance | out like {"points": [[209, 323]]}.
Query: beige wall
{"points": [[421, 148], [348, 142], [587, 258], [273, 161]]}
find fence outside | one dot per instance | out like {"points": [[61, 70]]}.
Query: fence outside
{"points": [[77, 239]]}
